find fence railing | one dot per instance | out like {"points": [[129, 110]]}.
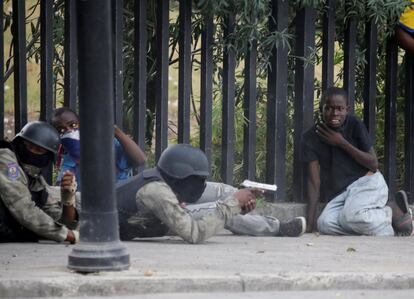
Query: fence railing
{"points": [[277, 84]]}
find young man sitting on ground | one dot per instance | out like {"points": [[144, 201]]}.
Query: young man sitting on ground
{"points": [[343, 171]]}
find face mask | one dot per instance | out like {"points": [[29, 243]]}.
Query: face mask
{"points": [[31, 170], [71, 144], [190, 189], [27, 157]]}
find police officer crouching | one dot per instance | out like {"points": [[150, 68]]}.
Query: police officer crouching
{"points": [[30, 209], [161, 200]]}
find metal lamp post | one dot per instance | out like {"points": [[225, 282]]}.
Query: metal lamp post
{"points": [[99, 248]]}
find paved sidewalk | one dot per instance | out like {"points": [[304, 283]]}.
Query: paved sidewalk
{"points": [[226, 263]]}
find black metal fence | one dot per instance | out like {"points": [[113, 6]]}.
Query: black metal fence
{"points": [[277, 85]]}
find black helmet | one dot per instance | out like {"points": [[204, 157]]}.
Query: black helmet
{"points": [[183, 160], [41, 134]]}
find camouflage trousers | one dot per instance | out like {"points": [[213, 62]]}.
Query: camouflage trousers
{"points": [[249, 224], [11, 230]]}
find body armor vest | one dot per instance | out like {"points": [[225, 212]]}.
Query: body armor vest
{"points": [[147, 225]]}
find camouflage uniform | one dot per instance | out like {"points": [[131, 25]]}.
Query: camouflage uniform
{"points": [[249, 224], [17, 199], [159, 212]]}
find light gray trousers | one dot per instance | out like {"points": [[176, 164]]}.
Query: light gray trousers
{"points": [[249, 224], [359, 210]]}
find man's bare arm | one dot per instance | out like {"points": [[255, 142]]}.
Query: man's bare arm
{"points": [[405, 40], [132, 149], [366, 159]]}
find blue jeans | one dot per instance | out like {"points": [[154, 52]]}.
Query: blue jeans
{"points": [[359, 210]]}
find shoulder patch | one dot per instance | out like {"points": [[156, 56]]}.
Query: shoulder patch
{"points": [[13, 170]]}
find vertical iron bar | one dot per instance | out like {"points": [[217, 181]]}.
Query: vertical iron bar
{"points": [[47, 100], [390, 138], [227, 138], [350, 59], [1, 75], [328, 45], [118, 31], [409, 125], [20, 75], [140, 71], [206, 92], [249, 107], [277, 104], [303, 106], [370, 82], [161, 93], [99, 248], [184, 76], [71, 56]]}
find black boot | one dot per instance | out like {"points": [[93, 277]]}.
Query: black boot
{"points": [[293, 228]]}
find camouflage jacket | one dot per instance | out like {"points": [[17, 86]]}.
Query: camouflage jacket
{"points": [[16, 196], [159, 206]]}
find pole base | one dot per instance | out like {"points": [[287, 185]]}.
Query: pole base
{"points": [[96, 257]]}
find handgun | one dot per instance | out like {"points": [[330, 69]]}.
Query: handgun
{"points": [[262, 186]]}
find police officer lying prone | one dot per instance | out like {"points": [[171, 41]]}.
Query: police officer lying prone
{"points": [[30, 209], [174, 197]]}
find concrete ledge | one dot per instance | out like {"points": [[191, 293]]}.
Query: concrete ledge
{"points": [[109, 284], [283, 210]]}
